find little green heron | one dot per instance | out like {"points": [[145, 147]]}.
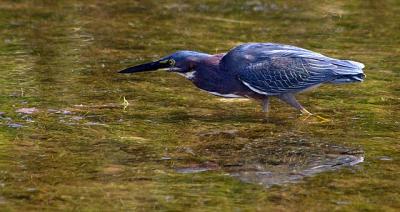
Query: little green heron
{"points": [[258, 71]]}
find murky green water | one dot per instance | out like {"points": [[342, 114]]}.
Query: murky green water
{"points": [[175, 147]]}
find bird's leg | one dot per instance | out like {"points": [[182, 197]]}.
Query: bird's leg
{"points": [[291, 100], [265, 104]]}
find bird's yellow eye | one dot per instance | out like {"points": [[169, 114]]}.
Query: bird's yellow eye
{"points": [[171, 62]]}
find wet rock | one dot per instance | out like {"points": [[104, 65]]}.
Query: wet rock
{"points": [[385, 158], [64, 112], [29, 120], [94, 124], [264, 173], [15, 125], [5, 118], [32, 190], [31, 110], [52, 110], [197, 168], [76, 118], [342, 202], [258, 6], [192, 170]]}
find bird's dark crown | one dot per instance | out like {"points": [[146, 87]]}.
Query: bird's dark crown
{"points": [[183, 61], [180, 61]]}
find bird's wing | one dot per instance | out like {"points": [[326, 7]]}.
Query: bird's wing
{"points": [[273, 69]]}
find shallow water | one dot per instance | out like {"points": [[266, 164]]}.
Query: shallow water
{"points": [[68, 142]]}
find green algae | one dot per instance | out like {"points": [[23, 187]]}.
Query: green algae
{"points": [[64, 55]]}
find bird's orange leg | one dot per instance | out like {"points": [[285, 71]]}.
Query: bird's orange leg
{"points": [[291, 100]]}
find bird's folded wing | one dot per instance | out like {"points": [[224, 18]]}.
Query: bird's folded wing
{"points": [[273, 69], [277, 75]]}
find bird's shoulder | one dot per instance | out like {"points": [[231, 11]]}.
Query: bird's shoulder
{"points": [[255, 52]]}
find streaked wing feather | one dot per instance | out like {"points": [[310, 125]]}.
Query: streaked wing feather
{"points": [[278, 75]]}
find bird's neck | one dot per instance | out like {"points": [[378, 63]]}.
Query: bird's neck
{"points": [[211, 62], [208, 75], [216, 58], [205, 67]]}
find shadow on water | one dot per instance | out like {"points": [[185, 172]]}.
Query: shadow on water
{"points": [[270, 161]]}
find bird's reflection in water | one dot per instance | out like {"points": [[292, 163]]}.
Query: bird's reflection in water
{"points": [[270, 161]]}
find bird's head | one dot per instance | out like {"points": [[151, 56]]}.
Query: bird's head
{"points": [[180, 62]]}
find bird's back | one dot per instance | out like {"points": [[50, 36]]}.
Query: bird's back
{"points": [[273, 69]]}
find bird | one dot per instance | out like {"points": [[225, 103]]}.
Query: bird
{"points": [[258, 71]]}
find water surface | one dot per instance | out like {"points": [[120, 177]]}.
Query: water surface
{"points": [[74, 146]]}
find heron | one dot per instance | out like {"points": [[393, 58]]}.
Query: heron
{"points": [[258, 71]]}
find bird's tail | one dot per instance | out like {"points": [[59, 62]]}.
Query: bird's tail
{"points": [[348, 71]]}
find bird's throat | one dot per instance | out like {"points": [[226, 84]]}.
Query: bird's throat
{"points": [[188, 75]]}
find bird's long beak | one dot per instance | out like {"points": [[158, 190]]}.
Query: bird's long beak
{"points": [[153, 66]]}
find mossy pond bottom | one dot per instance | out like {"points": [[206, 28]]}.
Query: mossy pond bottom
{"points": [[69, 141]]}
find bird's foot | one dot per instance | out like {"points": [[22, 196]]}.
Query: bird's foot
{"points": [[305, 112], [308, 115], [322, 119]]}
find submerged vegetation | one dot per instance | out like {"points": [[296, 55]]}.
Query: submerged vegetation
{"points": [[75, 135]]}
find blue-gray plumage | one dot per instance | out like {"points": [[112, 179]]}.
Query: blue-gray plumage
{"points": [[258, 71]]}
